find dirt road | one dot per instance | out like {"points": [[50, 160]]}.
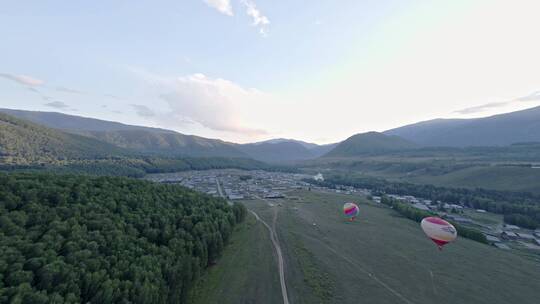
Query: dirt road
{"points": [[275, 242]]}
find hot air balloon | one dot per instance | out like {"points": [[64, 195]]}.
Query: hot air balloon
{"points": [[438, 230], [351, 211]]}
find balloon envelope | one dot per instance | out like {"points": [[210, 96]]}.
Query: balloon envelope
{"points": [[438, 230], [351, 210]]}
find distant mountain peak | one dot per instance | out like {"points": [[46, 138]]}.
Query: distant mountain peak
{"points": [[307, 145], [497, 130], [285, 150], [370, 143]]}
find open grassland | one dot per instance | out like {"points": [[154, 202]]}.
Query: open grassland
{"points": [[384, 258], [509, 178], [451, 173], [488, 218], [246, 273]]}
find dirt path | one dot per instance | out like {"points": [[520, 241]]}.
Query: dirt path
{"points": [[275, 242], [220, 192]]}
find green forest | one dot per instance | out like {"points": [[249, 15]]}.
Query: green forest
{"points": [[81, 239], [140, 166]]}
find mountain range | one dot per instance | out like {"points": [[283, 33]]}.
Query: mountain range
{"points": [[144, 140], [52, 134], [498, 130], [161, 142]]}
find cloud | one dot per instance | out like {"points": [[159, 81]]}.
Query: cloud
{"points": [[259, 20], [112, 96], [223, 6], [212, 102], [482, 108], [143, 111], [39, 93], [198, 100], [34, 90], [23, 79], [70, 91], [535, 96], [57, 105], [32, 84]]}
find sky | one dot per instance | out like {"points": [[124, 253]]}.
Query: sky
{"points": [[251, 70]]}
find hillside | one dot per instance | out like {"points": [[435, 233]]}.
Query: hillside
{"points": [[72, 122], [369, 143], [139, 139], [22, 142], [161, 142], [498, 130], [166, 143]]}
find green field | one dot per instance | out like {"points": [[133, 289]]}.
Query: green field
{"points": [[246, 273], [497, 178], [509, 178], [488, 218], [381, 258], [445, 172]]}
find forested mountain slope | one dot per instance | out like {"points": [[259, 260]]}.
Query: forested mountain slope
{"points": [[22, 142], [139, 139]]}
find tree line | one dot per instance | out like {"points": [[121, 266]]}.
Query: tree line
{"points": [[417, 215], [520, 208], [81, 239], [140, 166]]}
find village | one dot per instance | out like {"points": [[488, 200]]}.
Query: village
{"points": [[236, 184]]}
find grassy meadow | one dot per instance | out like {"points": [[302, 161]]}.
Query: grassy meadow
{"points": [[380, 258], [246, 272], [385, 258]]}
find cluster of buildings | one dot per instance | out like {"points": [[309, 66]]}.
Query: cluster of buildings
{"points": [[236, 184], [526, 238]]}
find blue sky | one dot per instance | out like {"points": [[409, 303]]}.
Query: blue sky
{"points": [[248, 70]]}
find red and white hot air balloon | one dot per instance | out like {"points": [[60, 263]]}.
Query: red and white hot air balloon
{"points": [[439, 231], [351, 211]]}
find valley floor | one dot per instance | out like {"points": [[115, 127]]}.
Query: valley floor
{"points": [[380, 258]]}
